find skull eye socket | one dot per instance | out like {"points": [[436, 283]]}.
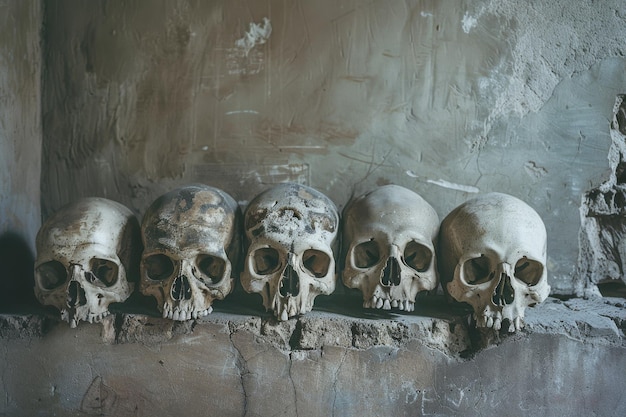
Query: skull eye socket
{"points": [[417, 256], [158, 267], [51, 275], [266, 261], [211, 267], [102, 272], [528, 271], [366, 254], [316, 262], [477, 271]]}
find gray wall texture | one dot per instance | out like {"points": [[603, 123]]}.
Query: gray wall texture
{"points": [[20, 146], [20, 119], [449, 99], [128, 99]]}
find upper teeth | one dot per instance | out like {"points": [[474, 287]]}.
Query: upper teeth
{"points": [[386, 304], [181, 314]]}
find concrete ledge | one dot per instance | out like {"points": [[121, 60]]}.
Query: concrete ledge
{"points": [[569, 360], [434, 324]]}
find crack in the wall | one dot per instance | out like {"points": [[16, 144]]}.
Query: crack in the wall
{"points": [[335, 379], [242, 368], [293, 384], [296, 336]]}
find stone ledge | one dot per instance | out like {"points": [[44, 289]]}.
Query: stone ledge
{"points": [[569, 360], [433, 325]]}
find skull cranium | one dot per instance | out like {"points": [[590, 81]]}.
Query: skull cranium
{"points": [[390, 236], [291, 231], [85, 253], [493, 257], [191, 246]]}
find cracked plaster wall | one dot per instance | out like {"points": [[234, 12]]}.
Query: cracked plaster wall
{"points": [[446, 98], [569, 360]]}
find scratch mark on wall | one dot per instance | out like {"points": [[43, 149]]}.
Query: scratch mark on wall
{"points": [[99, 398], [453, 186], [446, 184], [241, 112]]}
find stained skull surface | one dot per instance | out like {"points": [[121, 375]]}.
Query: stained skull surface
{"points": [[493, 257], [85, 253], [389, 235], [191, 241], [291, 232]]}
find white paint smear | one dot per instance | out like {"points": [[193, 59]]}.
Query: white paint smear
{"points": [[453, 186], [242, 112], [468, 23], [258, 34], [446, 184]]}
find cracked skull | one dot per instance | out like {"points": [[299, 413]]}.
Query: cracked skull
{"points": [[191, 246], [85, 252], [389, 234], [493, 257], [291, 232]]}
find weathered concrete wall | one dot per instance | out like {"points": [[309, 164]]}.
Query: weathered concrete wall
{"points": [[602, 256], [445, 98], [569, 360], [20, 142]]}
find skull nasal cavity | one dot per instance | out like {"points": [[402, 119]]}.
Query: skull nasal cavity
{"points": [[391, 273], [504, 293], [289, 282], [75, 295], [181, 290]]}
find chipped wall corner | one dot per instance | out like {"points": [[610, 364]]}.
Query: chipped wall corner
{"points": [[602, 238]]}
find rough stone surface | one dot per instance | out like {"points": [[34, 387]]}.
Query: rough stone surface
{"points": [[602, 238], [569, 360]]}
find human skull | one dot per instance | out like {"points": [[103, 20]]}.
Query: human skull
{"points": [[493, 257], [85, 253], [389, 235], [291, 232], [191, 249]]}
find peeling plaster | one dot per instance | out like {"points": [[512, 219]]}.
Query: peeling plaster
{"points": [[257, 35]]}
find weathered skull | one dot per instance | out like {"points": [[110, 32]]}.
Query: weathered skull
{"points": [[291, 231], [493, 257], [85, 252], [389, 235], [191, 246]]}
